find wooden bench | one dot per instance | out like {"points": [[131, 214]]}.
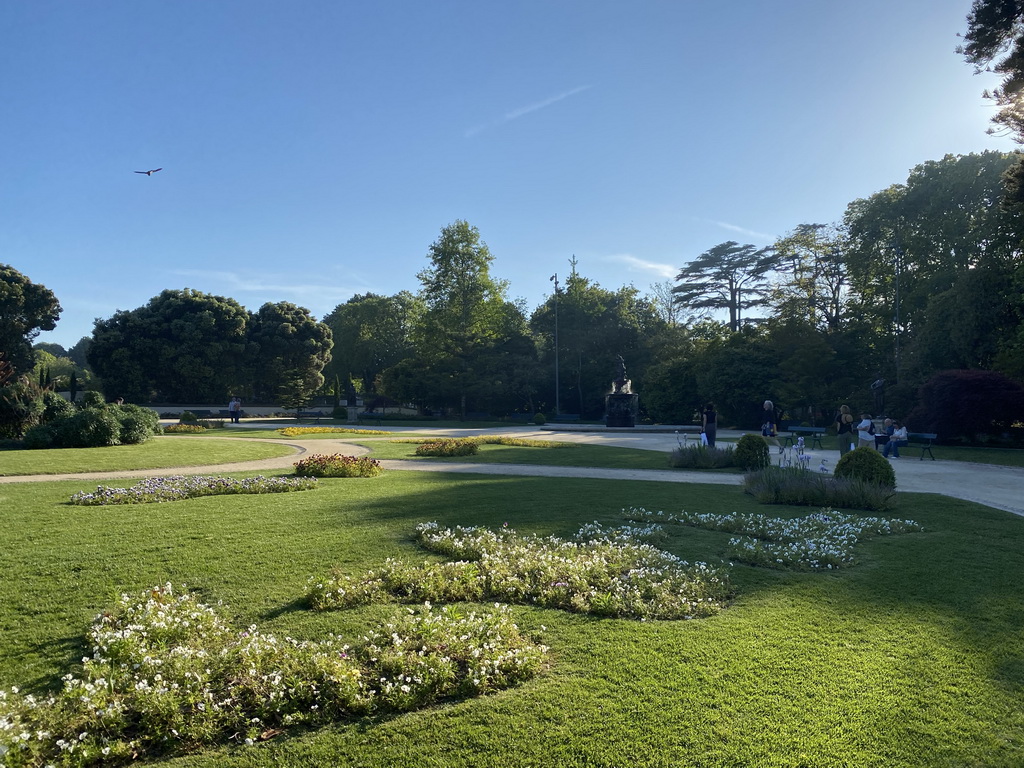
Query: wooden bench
{"points": [[814, 433], [922, 440], [299, 415]]}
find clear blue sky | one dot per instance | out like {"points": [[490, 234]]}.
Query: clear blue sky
{"points": [[314, 150]]}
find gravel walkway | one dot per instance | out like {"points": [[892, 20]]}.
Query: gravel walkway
{"points": [[993, 486]]}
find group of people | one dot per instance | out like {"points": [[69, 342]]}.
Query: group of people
{"points": [[893, 432], [852, 433]]}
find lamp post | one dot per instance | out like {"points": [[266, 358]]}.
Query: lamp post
{"points": [[558, 411]]}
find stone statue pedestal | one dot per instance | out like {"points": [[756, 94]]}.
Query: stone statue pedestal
{"points": [[621, 409]]}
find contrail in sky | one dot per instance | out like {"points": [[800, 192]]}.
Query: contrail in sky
{"points": [[515, 114]]}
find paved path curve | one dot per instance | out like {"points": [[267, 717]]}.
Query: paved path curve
{"points": [[993, 486]]}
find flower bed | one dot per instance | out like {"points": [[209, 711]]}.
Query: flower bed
{"points": [[337, 465], [604, 571], [167, 673], [178, 487], [448, 447], [300, 431], [183, 429], [822, 541]]}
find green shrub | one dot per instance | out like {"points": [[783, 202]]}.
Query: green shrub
{"points": [[339, 412], [751, 452], [55, 407], [868, 465], [448, 447], [539, 419], [211, 423], [792, 485], [137, 424], [93, 399], [40, 436], [88, 429], [702, 457], [187, 417]]}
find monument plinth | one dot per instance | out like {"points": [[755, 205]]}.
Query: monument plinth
{"points": [[622, 404]]}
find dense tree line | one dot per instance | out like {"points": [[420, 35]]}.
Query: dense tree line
{"points": [[921, 277]]}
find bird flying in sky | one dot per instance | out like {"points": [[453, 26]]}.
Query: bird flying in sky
{"points": [[150, 173]]}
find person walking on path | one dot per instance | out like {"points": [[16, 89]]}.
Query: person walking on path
{"points": [[709, 424], [235, 409], [866, 432], [769, 431], [844, 429]]}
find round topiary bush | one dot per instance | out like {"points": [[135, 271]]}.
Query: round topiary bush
{"points": [[93, 399], [340, 412], [868, 465], [539, 419], [751, 452], [187, 417]]}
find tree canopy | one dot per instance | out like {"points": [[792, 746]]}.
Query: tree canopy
{"points": [[729, 276], [25, 309]]}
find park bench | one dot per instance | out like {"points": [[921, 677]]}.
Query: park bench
{"points": [[317, 415], [565, 418], [922, 440], [814, 433]]}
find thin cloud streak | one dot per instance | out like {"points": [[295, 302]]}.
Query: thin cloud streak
{"points": [[666, 271], [515, 114], [268, 284], [742, 231]]}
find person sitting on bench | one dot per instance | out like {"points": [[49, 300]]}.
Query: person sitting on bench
{"points": [[897, 441]]}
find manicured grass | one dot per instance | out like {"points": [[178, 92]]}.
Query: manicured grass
{"points": [[910, 658], [566, 455], [1006, 457], [156, 453]]}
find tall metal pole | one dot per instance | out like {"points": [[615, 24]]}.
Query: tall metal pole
{"points": [[558, 409]]}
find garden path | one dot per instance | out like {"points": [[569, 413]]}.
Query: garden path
{"points": [[993, 486]]}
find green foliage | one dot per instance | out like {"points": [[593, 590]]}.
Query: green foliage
{"points": [[21, 407], [702, 457], [539, 419], [339, 413], [288, 348], [137, 424], [799, 487], [868, 465], [55, 407], [88, 428], [187, 417], [25, 310], [968, 405], [185, 345], [729, 276], [337, 465], [93, 399], [751, 452], [40, 436]]}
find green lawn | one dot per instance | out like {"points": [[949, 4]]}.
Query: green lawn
{"points": [[157, 453], [566, 455], [913, 657]]}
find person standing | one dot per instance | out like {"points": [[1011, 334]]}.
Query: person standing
{"points": [[235, 409], [866, 432], [769, 431], [709, 424], [844, 429]]}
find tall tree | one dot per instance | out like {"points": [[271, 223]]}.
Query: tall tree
{"points": [[184, 345], [464, 305], [995, 35], [812, 283], [729, 276], [371, 334], [289, 350], [25, 309]]}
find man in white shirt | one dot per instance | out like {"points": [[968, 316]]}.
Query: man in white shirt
{"points": [[866, 432]]}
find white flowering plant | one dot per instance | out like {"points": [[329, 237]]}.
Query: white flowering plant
{"points": [[604, 571], [178, 487], [167, 674], [824, 540]]}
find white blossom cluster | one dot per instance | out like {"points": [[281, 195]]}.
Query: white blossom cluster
{"points": [[166, 674], [608, 573], [824, 540], [177, 487]]}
